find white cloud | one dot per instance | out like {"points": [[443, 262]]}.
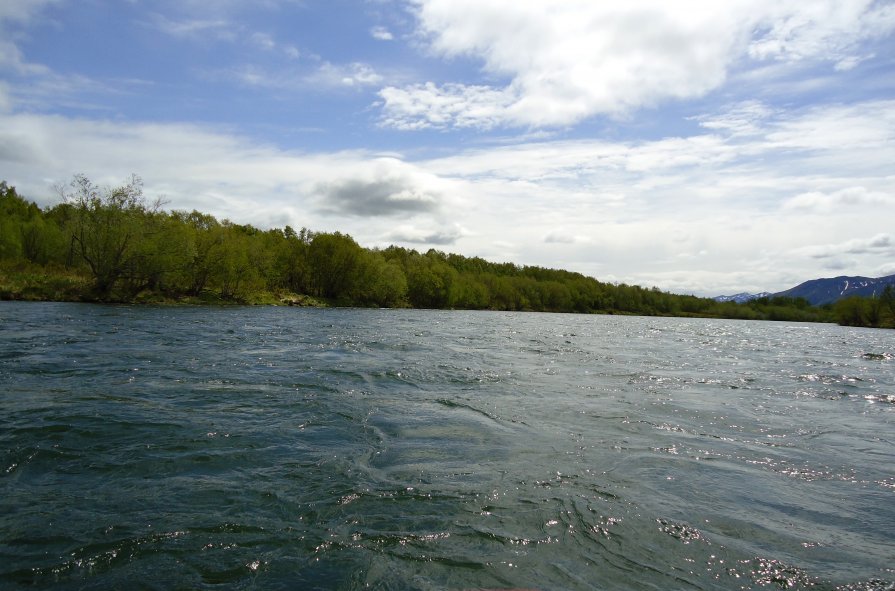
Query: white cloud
{"points": [[713, 213], [743, 119], [381, 34], [266, 42], [5, 99], [829, 29], [852, 61], [880, 244], [454, 105], [353, 75], [17, 13], [825, 203], [23, 10], [195, 27], [263, 40], [324, 77], [564, 236], [560, 63]]}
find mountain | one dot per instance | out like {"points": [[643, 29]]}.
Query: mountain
{"points": [[822, 291], [826, 291], [742, 298]]}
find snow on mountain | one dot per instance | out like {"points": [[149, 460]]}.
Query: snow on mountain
{"points": [[742, 298], [823, 291]]}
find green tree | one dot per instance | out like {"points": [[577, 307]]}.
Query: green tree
{"points": [[204, 245], [430, 281], [106, 229], [23, 231], [239, 263], [11, 208], [162, 253], [470, 293], [379, 282], [851, 311], [291, 266], [887, 298], [333, 260]]}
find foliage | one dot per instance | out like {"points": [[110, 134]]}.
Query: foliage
{"points": [[111, 231], [876, 312], [111, 244]]}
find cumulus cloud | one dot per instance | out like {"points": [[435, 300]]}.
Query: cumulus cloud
{"points": [[386, 191], [437, 237], [381, 34], [536, 203], [878, 244], [424, 106], [564, 236], [353, 75], [563, 62], [820, 202]]}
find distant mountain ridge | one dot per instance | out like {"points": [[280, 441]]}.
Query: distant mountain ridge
{"points": [[823, 291], [826, 291], [742, 298]]}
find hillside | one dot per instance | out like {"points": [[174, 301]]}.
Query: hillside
{"points": [[830, 290], [819, 292]]}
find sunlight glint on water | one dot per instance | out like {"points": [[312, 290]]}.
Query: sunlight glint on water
{"points": [[340, 449]]}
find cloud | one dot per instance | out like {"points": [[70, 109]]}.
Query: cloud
{"points": [[836, 127], [637, 211], [875, 245], [381, 34], [266, 42], [850, 62], [454, 105], [194, 27], [18, 13], [830, 29], [325, 77], [263, 40], [820, 202], [742, 119], [5, 98], [388, 191], [227, 30], [23, 10], [413, 235], [353, 75], [555, 64], [564, 236]]}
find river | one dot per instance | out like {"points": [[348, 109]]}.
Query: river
{"points": [[284, 448]]}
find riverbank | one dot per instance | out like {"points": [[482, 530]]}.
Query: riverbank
{"points": [[52, 283], [22, 281]]}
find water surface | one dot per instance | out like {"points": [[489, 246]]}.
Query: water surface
{"points": [[281, 448]]}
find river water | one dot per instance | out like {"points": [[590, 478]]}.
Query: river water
{"points": [[282, 448]]}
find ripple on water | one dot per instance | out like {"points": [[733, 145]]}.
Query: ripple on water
{"points": [[348, 449]]}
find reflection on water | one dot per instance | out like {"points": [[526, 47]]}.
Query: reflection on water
{"points": [[343, 449]]}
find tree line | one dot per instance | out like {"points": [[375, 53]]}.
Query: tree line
{"points": [[112, 244]]}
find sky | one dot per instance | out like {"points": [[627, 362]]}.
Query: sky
{"points": [[699, 147]]}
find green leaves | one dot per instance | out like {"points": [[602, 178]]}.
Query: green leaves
{"points": [[133, 250]]}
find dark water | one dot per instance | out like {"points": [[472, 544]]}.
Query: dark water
{"points": [[286, 448]]}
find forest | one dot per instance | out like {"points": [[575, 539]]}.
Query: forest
{"points": [[111, 244]]}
